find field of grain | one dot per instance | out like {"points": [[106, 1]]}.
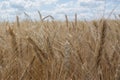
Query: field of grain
{"points": [[54, 50]]}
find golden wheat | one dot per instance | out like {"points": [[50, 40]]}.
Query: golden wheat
{"points": [[54, 50]]}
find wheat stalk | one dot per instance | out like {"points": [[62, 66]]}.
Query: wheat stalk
{"points": [[66, 20], [18, 23], [76, 19]]}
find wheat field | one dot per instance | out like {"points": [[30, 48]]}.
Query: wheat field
{"points": [[56, 50]]}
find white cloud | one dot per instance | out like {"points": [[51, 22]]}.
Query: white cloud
{"points": [[85, 0], [84, 8]]}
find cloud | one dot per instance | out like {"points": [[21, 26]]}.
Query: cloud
{"points": [[89, 9], [85, 9]]}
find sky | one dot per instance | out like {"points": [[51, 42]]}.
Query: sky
{"points": [[85, 9]]}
